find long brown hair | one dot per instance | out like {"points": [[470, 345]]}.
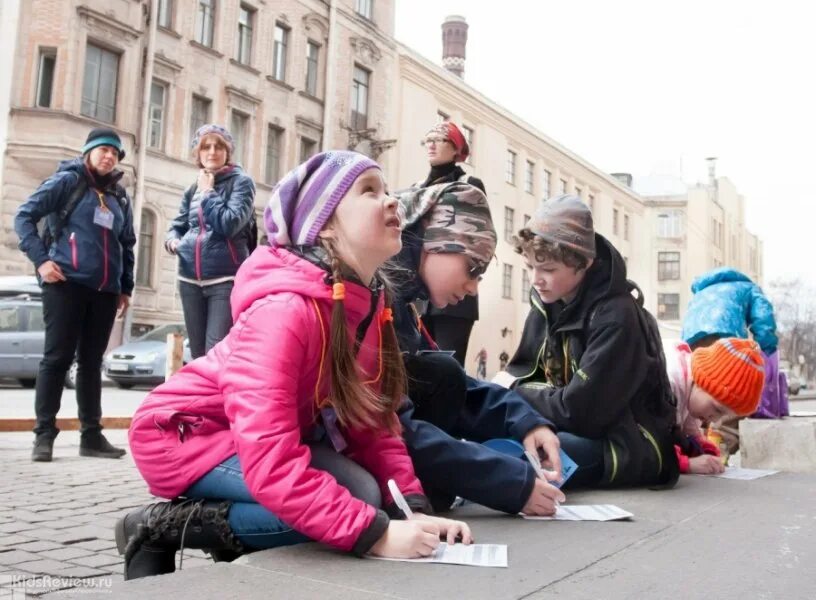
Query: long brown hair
{"points": [[358, 404]]}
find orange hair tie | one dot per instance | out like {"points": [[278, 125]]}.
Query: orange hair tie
{"points": [[386, 315], [338, 291]]}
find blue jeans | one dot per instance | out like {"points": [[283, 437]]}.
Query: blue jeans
{"points": [[207, 314], [588, 454], [254, 525]]}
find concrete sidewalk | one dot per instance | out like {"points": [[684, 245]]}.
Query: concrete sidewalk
{"points": [[707, 538]]}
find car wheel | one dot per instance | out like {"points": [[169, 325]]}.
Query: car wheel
{"points": [[28, 383], [71, 376], [124, 385]]}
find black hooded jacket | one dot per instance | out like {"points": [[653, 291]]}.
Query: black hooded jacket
{"points": [[591, 367]]}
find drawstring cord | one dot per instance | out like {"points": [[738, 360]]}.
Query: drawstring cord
{"points": [[422, 330]]}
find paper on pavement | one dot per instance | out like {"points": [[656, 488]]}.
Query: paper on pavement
{"points": [[745, 474], [474, 555], [585, 512]]}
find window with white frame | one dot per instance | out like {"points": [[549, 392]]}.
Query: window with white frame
{"points": [[510, 168], [359, 98], [562, 187], [670, 224], [158, 101], [308, 148], [99, 85], [668, 307], [274, 144], [280, 51], [509, 223], [468, 133], [615, 217], [45, 76], [668, 266], [529, 177], [525, 285], [239, 127], [147, 235], [205, 22], [364, 8], [199, 113], [166, 14], [545, 184], [312, 67], [507, 281], [626, 227], [243, 41]]}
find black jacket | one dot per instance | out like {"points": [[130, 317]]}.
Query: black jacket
{"points": [[590, 367], [212, 227]]}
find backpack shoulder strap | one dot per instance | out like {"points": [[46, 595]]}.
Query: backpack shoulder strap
{"points": [[64, 213]]}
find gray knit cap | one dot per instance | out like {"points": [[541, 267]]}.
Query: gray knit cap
{"points": [[567, 221]]}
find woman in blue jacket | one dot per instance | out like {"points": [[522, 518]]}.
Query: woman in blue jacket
{"points": [[84, 262], [212, 235]]}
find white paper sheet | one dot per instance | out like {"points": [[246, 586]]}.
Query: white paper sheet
{"points": [[473, 555], [745, 474], [504, 379], [585, 512], [803, 413]]}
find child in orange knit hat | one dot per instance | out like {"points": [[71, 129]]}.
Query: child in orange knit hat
{"points": [[723, 380]]}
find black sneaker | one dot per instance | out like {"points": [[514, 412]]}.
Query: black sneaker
{"points": [[43, 449], [97, 446]]}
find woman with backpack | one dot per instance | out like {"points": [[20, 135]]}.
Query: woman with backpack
{"points": [[212, 235]]}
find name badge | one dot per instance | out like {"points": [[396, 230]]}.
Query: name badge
{"points": [[103, 217]]}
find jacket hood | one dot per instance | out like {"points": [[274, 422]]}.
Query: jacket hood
{"points": [[605, 278], [278, 270], [721, 275]]}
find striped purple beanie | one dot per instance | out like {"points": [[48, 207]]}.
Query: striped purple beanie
{"points": [[305, 199]]}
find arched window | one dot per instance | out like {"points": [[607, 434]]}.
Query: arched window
{"points": [[146, 233]]}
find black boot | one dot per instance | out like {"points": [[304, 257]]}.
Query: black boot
{"points": [[43, 449], [148, 537], [96, 445]]}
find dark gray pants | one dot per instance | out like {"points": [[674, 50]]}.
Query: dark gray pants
{"points": [[207, 314]]}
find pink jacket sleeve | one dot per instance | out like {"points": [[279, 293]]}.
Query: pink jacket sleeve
{"points": [[260, 386], [385, 456]]}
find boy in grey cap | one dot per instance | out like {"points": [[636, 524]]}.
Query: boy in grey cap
{"points": [[590, 358]]}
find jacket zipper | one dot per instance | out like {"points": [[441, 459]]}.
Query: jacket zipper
{"points": [[566, 360], [651, 439], [540, 350], [201, 227], [232, 252], [104, 245], [74, 256]]}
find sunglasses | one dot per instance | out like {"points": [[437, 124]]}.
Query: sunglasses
{"points": [[477, 270]]}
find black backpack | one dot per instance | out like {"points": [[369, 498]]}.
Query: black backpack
{"points": [[251, 229], [51, 233]]}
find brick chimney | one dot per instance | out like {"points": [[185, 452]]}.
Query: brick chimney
{"points": [[454, 41]]}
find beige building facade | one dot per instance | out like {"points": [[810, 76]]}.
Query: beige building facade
{"points": [[288, 78], [694, 232]]}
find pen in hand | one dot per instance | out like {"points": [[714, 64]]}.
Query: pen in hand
{"points": [[399, 499]]}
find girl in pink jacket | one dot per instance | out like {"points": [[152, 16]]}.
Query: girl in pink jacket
{"points": [[713, 383], [286, 430]]}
